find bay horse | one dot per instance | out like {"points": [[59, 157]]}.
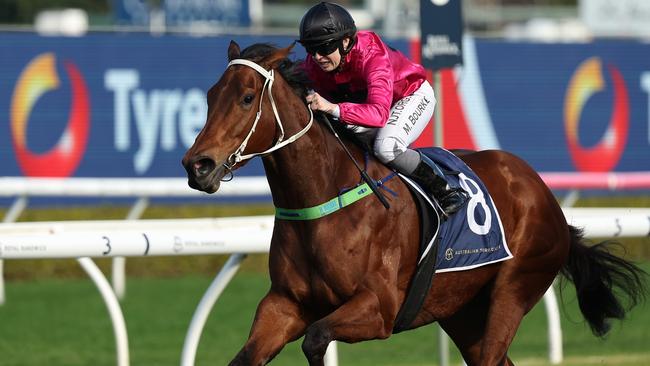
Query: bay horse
{"points": [[344, 276]]}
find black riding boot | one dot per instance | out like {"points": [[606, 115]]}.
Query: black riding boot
{"points": [[429, 175]]}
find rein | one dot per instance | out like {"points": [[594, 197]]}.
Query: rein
{"points": [[309, 213], [269, 75]]}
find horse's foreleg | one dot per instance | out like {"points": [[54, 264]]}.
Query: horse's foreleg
{"points": [[361, 318], [277, 322]]}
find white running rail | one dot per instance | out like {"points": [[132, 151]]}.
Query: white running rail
{"points": [[142, 189]]}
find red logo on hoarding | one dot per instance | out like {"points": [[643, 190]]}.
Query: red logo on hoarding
{"points": [[39, 77], [588, 80]]}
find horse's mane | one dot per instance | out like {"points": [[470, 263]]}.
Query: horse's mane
{"points": [[292, 71]]}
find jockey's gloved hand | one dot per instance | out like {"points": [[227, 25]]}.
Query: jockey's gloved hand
{"points": [[318, 103]]}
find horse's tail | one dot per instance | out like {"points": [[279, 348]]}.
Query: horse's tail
{"points": [[599, 276]]}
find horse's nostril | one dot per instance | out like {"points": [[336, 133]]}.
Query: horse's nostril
{"points": [[199, 168], [203, 167]]}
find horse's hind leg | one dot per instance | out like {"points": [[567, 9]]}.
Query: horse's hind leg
{"points": [[515, 292], [359, 319], [484, 328], [466, 328]]}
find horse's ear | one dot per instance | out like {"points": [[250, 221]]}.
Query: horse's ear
{"points": [[233, 50], [278, 56]]}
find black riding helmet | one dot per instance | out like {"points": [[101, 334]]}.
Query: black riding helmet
{"points": [[326, 23]]}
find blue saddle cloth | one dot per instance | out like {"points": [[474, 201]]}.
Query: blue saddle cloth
{"points": [[473, 236]]}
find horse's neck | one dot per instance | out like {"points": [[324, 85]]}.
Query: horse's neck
{"points": [[308, 172]]}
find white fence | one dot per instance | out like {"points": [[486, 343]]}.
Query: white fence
{"points": [[82, 240], [236, 236], [21, 189]]}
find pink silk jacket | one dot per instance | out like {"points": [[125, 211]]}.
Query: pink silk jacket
{"points": [[372, 78]]}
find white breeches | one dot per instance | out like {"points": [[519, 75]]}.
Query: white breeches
{"points": [[407, 119]]}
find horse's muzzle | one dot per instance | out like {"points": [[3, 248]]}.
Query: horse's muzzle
{"points": [[203, 173]]}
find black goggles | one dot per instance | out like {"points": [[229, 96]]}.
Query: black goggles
{"points": [[323, 49]]}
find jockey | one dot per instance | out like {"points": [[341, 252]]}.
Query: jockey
{"points": [[378, 94]]}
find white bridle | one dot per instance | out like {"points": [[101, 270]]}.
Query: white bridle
{"points": [[237, 156]]}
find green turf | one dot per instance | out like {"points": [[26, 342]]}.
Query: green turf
{"points": [[64, 322]]}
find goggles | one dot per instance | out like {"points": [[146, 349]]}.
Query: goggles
{"points": [[323, 49]]}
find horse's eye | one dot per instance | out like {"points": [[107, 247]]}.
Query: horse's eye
{"points": [[248, 99]]}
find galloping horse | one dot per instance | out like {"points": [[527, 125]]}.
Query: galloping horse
{"points": [[344, 276]]}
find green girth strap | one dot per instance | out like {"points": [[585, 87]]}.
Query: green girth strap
{"points": [[324, 209]]}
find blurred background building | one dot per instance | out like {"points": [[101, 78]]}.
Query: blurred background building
{"points": [[541, 20]]}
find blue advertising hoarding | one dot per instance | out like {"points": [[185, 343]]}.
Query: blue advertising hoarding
{"points": [[106, 105], [561, 107], [130, 105]]}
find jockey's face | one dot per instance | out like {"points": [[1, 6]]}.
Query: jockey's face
{"points": [[333, 60]]}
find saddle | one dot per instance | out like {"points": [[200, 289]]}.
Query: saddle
{"points": [[470, 238]]}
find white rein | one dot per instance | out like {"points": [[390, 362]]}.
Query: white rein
{"points": [[237, 156]]}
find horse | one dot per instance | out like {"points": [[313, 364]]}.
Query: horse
{"points": [[344, 276]]}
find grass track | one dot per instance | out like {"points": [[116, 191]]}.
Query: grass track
{"points": [[627, 359], [64, 322]]}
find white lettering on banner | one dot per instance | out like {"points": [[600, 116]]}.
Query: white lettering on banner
{"points": [[173, 100], [120, 82], [476, 198], [439, 45], [645, 86], [155, 115], [147, 115]]}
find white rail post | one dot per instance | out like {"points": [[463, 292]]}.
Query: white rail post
{"points": [[555, 352], [113, 305], [571, 198], [443, 347], [331, 355], [205, 306]]}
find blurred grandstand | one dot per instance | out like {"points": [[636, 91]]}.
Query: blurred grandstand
{"points": [[545, 20]]}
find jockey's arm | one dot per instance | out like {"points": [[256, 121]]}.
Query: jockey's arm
{"points": [[378, 74]]}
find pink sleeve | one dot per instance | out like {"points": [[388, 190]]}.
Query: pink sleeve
{"points": [[378, 73]]}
